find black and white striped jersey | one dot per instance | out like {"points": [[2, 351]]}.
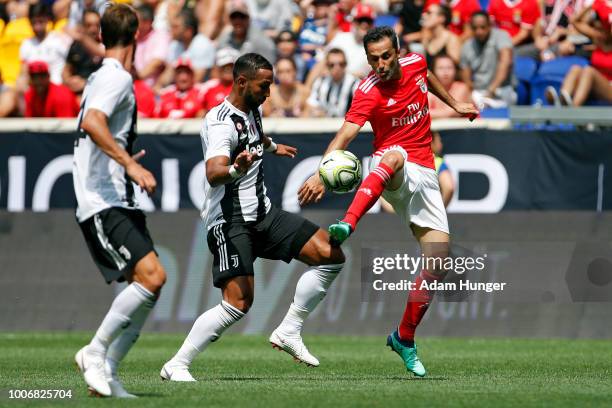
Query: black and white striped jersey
{"points": [[228, 131], [334, 98], [99, 181]]}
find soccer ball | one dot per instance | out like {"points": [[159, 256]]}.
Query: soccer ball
{"points": [[340, 171]]}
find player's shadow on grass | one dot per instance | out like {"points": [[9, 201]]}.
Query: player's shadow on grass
{"points": [[336, 379]]}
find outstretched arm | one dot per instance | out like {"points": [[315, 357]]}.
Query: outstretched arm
{"points": [[313, 189], [462, 108]]}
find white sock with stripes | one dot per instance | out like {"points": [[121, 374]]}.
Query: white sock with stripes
{"points": [[206, 329], [126, 339], [119, 316], [310, 290]]}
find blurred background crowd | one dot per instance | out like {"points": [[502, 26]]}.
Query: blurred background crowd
{"points": [[492, 52]]}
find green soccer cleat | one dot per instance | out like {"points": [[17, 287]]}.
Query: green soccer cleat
{"points": [[408, 354], [339, 232]]}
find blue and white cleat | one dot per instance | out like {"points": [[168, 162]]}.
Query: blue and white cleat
{"points": [[408, 354]]}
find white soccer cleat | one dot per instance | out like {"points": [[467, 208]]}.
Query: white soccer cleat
{"points": [[174, 372], [293, 344], [92, 368], [115, 384]]}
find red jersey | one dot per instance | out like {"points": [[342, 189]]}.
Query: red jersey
{"points": [[461, 11], [397, 110], [175, 104], [215, 94], [145, 99], [59, 102], [511, 16], [603, 9]]}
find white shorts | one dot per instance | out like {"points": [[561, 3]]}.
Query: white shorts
{"points": [[418, 199]]}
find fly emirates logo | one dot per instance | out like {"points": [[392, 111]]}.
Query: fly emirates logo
{"points": [[415, 113]]}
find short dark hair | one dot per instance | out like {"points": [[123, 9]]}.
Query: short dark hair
{"points": [[89, 11], [480, 13], [189, 19], [249, 64], [336, 51], [146, 12], [39, 10], [118, 26], [446, 13], [291, 61], [378, 33]]}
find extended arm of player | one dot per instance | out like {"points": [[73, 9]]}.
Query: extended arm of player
{"points": [[462, 108], [219, 171], [95, 124], [313, 189]]}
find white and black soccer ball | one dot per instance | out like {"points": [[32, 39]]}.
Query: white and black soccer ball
{"points": [[340, 171]]}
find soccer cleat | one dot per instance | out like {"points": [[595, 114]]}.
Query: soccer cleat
{"points": [[92, 368], [408, 354], [115, 384], [339, 232], [175, 372], [294, 346]]}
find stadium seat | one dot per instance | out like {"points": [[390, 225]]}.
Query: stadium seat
{"points": [[524, 70], [386, 20], [551, 73]]}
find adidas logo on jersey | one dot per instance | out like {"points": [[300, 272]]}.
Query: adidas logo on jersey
{"points": [[391, 102]]}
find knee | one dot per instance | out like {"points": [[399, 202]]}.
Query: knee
{"points": [[393, 159], [575, 70], [328, 254], [155, 278], [241, 302]]}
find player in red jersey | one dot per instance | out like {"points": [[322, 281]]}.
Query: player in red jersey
{"points": [[393, 98]]}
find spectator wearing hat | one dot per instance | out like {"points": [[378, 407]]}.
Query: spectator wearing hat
{"points": [[244, 37], [80, 62], [44, 99], [351, 43], [151, 47], [181, 100], [51, 47], [331, 95], [313, 36], [287, 47], [272, 16], [187, 43], [216, 90]]}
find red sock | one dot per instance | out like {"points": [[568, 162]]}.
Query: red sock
{"points": [[416, 306], [369, 191]]}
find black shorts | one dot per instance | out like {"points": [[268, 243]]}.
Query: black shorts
{"points": [[117, 239], [235, 246]]}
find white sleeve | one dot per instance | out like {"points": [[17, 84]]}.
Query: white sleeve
{"points": [[220, 136], [105, 94]]}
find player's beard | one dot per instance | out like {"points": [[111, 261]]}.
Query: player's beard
{"points": [[252, 101], [390, 73]]}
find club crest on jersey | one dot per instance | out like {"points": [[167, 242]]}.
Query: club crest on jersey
{"points": [[422, 84]]}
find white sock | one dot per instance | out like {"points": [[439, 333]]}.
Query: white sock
{"points": [[126, 339], [206, 329], [310, 290], [119, 316]]}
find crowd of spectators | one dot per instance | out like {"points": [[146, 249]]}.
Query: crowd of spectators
{"points": [[186, 50]]}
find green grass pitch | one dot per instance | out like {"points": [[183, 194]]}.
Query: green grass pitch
{"points": [[244, 371]]}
